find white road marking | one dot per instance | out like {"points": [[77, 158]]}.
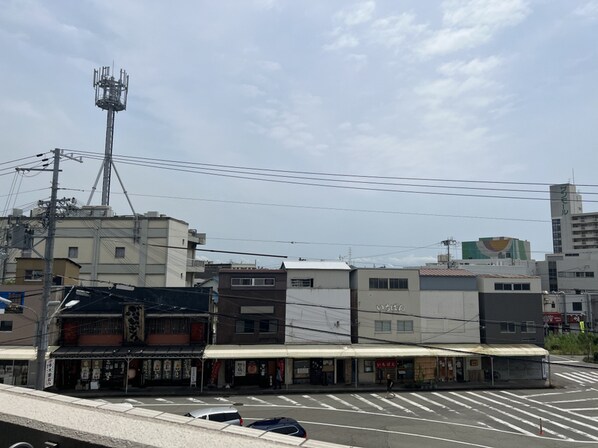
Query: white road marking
{"points": [[432, 402], [131, 400], [260, 401], [404, 409], [164, 400], [287, 399], [413, 403], [496, 419], [223, 399], [528, 414], [318, 402], [573, 401], [568, 377], [578, 421], [344, 403], [380, 408], [452, 401]]}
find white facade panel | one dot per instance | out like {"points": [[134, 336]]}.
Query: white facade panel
{"points": [[450, 317]]}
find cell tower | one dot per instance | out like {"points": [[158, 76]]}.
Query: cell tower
{"points": [[111, 95]]}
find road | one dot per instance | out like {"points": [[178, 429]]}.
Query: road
{"points": [[566, 415]]}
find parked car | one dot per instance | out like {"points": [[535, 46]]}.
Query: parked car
{"points": [[228, 415], [280, 425]]}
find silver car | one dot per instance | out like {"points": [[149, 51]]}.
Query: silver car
{"points": [[228, 415]]}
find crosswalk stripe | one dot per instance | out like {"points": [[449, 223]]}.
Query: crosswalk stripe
{"points": [[562, 417], [404, 409], [287, 399], [355, 408], [195, 400], [413, 403], [164, 400], [521, 411], [260, 401], [589, 376], [496, 419], [223, 399], [432, 402], [132, 400], [318, 402], [452, 401], [568, 377], [380, 408]]}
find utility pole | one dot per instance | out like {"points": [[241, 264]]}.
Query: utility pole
{"points": [[42, 349], [448, 243]]}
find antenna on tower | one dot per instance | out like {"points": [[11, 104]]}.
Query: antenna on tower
{"points": [[111, 96], [448, 242]]}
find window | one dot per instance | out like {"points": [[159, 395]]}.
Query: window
{"points": [[6, 325], [244, 326], [368, 365], [511, 286], [507, 327], [119, 252], [172, 325], [102, 326], [404, 326], [268, 326], [378, 283], [33, 275], [302, 283], [73, 252], [398, 283], [382, 326], [528, 326], [240, 281], [576, 306]]}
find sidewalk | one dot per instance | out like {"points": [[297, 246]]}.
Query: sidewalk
{"points": [[164, 391]]}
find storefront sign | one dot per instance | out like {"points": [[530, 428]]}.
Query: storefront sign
{"points": [[391, 307], [553, 318], [386, 363], [240, 368], [575, 318], [50, 367], [251, 368]]}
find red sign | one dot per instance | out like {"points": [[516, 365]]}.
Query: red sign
{"points": [[386, 363], [575, 318], [553, 318]]}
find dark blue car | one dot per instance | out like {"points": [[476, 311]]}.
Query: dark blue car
{"points": [[280, 425]]}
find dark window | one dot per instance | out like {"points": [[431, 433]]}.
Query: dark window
{"points": [[225, 416], [302, 283], [73, 252], [119, 252], [576, 306], [6, 325], [378, 283], [33, 275], [168, 325], [286, 430], [398, 283], [268, 326], [238, 281], [99, 326], [244, 326], [507, 327], [382, 326]]}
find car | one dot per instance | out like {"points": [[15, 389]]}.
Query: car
{"points": [[280, 425], [223, 414]]}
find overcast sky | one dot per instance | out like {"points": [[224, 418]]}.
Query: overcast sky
{"points": [[477, 90]]}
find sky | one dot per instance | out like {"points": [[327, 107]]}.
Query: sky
{"points": [[327, 130]]}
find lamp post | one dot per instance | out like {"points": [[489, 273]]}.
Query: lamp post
{"points": [[41, 333]]}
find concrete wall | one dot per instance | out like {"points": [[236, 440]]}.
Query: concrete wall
{"points": [[38, 417]]}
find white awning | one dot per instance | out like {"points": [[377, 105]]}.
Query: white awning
{"points": [[369, 351], [22, 352]]}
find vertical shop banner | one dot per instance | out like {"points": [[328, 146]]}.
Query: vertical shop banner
{"points": [[193, 376], [240, 368], [215, 370], [49, 374], [134, 323]]}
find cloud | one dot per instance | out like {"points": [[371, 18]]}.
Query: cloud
{"points": [[392, 31], [469, 24], [250, 90], [474, 67], [357, 14], [341, 42], [588, 11]]}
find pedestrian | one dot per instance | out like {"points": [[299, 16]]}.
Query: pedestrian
{"points": [[278, 379], [389, 384]]}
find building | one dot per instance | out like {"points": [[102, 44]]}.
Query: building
{"points": [[19, 321], [496, 248], [120, 338], [150, 250]]}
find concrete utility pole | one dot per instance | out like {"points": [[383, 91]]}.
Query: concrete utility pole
{"points": [[448, 243], [42, 349]]}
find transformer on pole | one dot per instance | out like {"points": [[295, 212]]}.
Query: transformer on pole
{"points": [[111, 95]]}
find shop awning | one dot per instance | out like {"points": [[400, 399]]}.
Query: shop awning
{"points": [[369, 351], [20, 352], [110, 352]]}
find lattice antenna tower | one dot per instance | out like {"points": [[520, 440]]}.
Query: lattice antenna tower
{"points": [[111, 96]]}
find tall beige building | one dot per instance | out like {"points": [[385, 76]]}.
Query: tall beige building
{"points": [[151, 250]]}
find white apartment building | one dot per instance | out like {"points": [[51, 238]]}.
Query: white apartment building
{"points": [[317, 302], [151, 250]]}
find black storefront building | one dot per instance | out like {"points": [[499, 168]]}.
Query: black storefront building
{"points": [[122, 339]]}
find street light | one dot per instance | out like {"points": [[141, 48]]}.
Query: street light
{"points": [[42, 330]]}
